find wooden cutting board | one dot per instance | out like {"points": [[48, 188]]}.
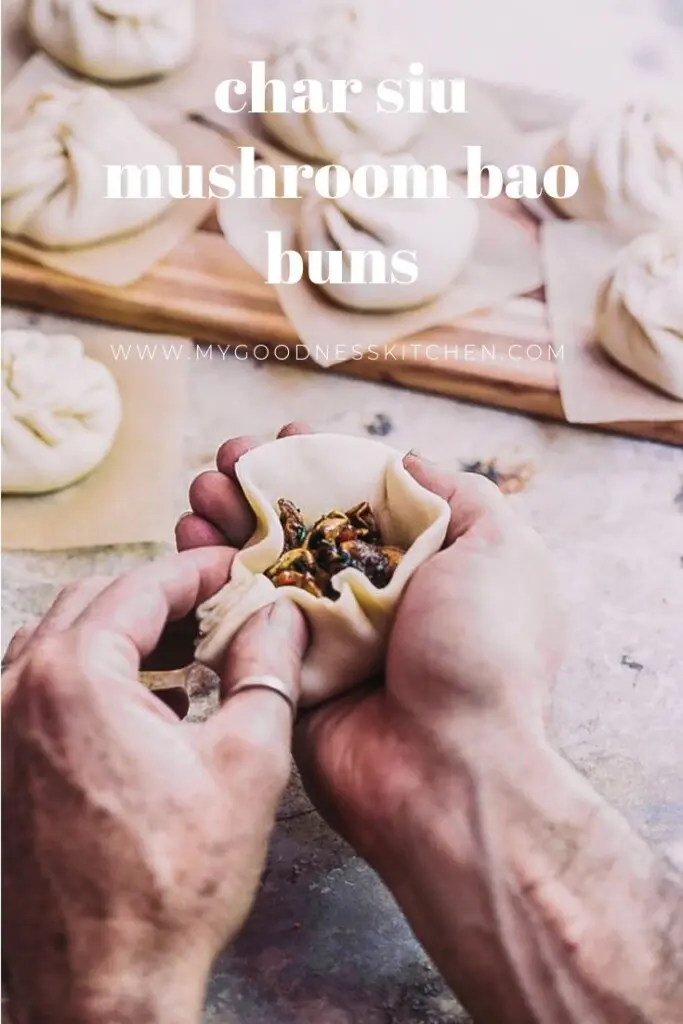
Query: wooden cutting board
{"points": [[206, 291]]}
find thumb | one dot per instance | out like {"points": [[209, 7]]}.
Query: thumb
{"points": [[471, 496], [253, 729]]}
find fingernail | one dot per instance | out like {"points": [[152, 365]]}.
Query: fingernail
{"points": [[274, 614], [282, 612], [415, 454]]}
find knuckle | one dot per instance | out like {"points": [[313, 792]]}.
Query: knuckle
{"points": [[45, 657], [199, 482], [19, 639], [181, 521], [484, 489], [77, 590], [231, 449], [71, 589]]}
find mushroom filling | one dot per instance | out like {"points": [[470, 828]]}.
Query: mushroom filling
{"points": [[338, 540]]}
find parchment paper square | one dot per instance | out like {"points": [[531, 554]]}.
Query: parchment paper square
{"points": [[505, 263], [577, 258]]}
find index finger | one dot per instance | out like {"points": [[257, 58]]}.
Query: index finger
{"points": [[230, 452], [137, 606]]}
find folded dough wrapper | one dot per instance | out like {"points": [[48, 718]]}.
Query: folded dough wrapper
{"points": [[319, 472]]}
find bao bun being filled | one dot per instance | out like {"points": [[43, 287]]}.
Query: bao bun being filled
{"points": [[320, 472]]}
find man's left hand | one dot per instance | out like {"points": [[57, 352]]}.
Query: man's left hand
{"points": [[133, 846]]}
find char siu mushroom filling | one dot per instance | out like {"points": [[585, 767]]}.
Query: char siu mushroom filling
{"points": [[338, 540]]}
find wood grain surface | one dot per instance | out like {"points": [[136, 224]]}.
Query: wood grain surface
{"points": [[204, 290]]}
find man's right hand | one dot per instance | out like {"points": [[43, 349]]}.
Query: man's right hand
{"points": [[534, 898], [472, 654]]}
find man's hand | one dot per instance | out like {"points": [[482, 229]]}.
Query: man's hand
{"points": [[133, 845], [534, 898], [472, 654]]}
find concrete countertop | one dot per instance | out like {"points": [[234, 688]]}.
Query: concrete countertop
{"points": [[325, 944]]}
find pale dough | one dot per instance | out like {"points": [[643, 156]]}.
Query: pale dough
{"points": [[320, 472], [630, 165], [54, 178], [344, 48], [441, 232], [640, 311], [61, 411], [115, 40]]}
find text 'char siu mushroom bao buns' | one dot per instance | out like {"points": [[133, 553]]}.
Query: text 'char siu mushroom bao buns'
{"points": [[334, 514], [344, 46], [442, 234], [640, 311], [630, 165], [54, 176], [115, 40], [61, 412]]}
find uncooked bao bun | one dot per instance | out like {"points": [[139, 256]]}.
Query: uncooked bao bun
{"points": [[442, 233], [344, 49], [115, 40], [630, 164], [54, 175], [319, 472], [640, 311], [60, 411]]}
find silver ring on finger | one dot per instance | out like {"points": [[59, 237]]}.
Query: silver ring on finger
{"points": [[266, 682]]}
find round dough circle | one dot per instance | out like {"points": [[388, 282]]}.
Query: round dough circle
{"points": [[61, 411], [639, 318]]}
